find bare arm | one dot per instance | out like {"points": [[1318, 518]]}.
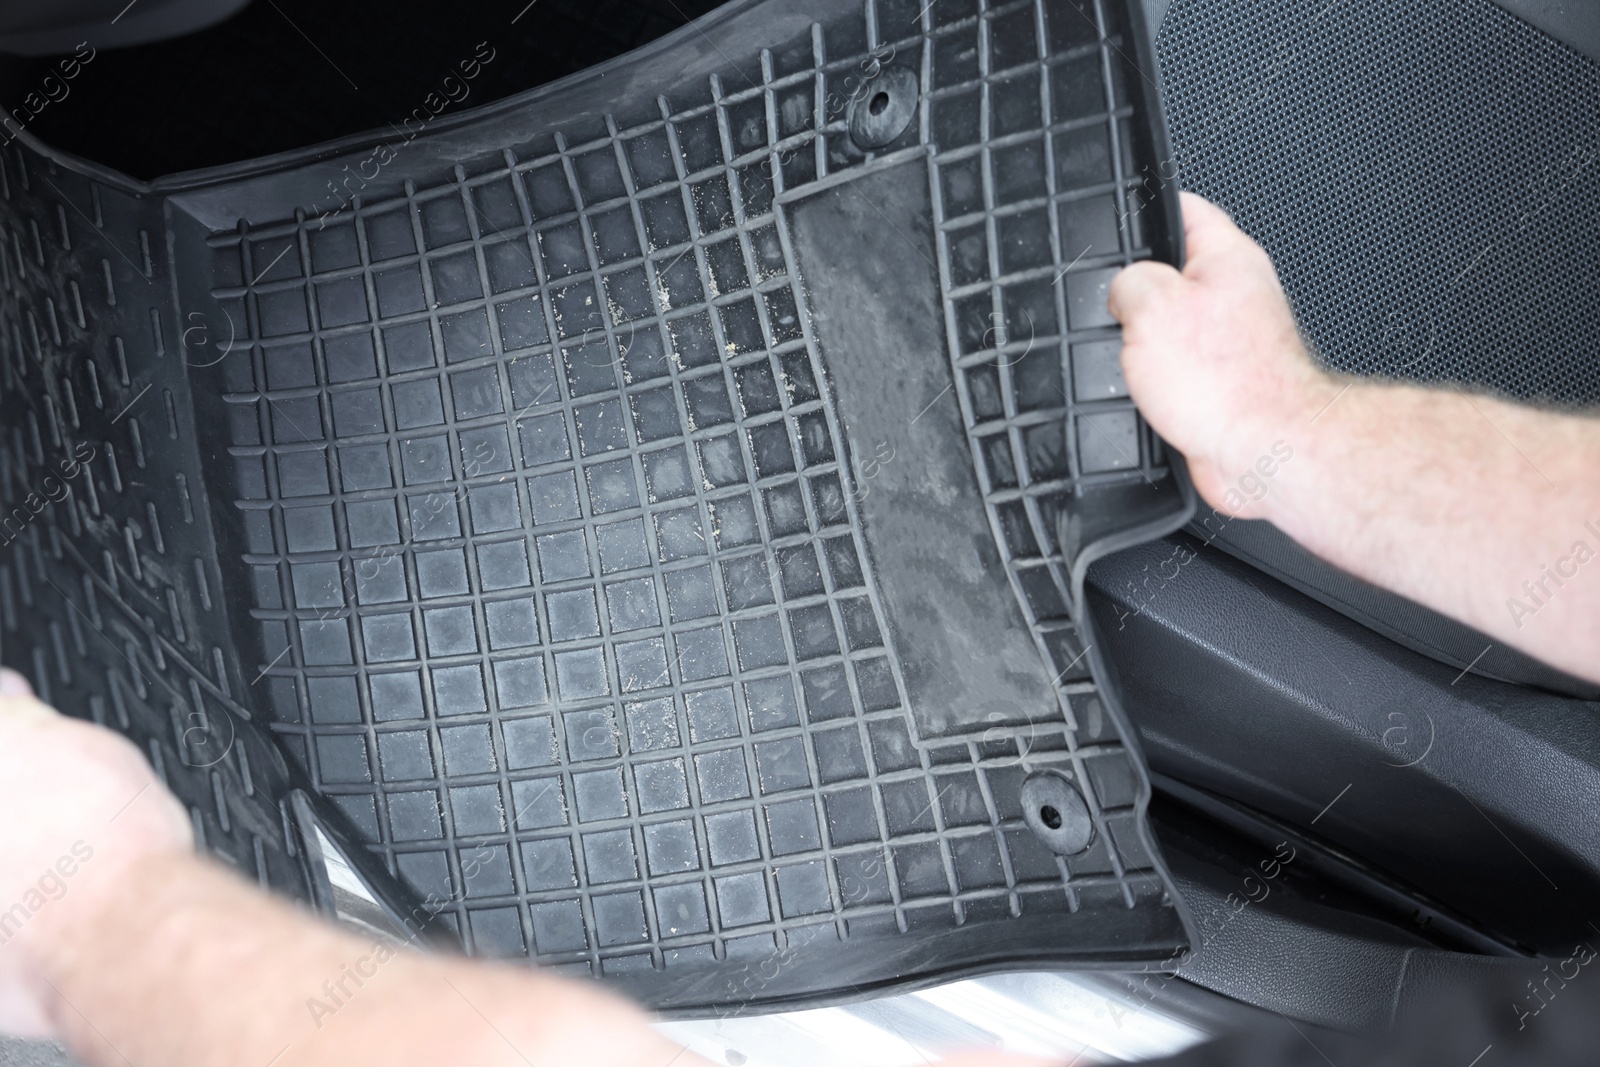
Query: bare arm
{"points": [[127, 946], [121, 942], [1485, 510], [186, 963]]}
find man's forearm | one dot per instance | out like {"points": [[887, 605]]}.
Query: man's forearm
{"points": [[191, 965], [1484, 510]]}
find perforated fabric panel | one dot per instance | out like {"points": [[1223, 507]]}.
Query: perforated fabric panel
{"points": [[1424, 175]]}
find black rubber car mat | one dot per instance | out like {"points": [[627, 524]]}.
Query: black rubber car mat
{"points": [[642, 521]]}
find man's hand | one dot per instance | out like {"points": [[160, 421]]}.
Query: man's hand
{"points": [[78, 806], [1485, 510], [125, 945], [1212, 356]]}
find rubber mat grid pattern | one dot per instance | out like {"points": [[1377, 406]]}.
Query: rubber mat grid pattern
{"points": [[549, 534], [555, 562], [1035, 187], [109, 588]]}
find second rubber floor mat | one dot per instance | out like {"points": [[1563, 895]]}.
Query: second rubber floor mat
{"points": [[641, 522]]}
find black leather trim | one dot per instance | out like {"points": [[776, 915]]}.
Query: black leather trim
{"points": [[1420, 629], [1478, 793], [1275, 936]]}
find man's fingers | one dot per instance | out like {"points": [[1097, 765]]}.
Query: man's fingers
{"points": [[1216, 249], [1214, 246], [1142, 290], [1204, 224]]}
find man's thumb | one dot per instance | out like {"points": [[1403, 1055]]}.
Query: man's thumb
{"points": [[1143, 294]]}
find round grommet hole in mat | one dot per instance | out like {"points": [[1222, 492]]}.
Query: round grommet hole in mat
{"points": [[1056, 812], [882, 109]]}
